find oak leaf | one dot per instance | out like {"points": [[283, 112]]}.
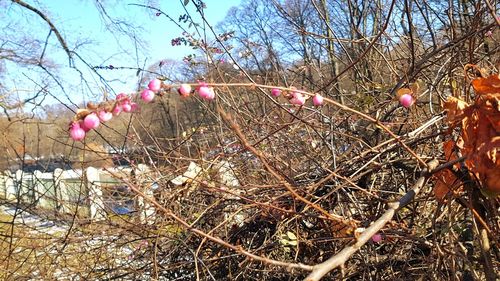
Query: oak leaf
{"points": [[480, 135], [446, 181], [488, 85]]}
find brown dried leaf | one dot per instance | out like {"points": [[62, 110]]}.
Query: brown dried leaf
{"points": [[403, 91], [489, 105], [455, 108], [488, 85], [448, 150], [81, 113], [445, 181], [480, 136], [486, 164]]}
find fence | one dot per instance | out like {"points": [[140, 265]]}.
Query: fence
{"points": [[93, 193]]}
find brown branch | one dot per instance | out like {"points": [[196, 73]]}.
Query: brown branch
{"points": [[493, 12], [49, 22]]}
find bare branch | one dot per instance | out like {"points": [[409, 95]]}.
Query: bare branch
{"points": [[52, 27]]}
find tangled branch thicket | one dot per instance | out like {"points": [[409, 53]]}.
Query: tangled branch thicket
{"points": [[308, 180]]}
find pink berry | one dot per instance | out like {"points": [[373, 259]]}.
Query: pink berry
{"points": [[406, 100], [126, 106], [154, 85], [117, 110], [275, 92], [147, 95], [82, 125], [297, 99], [104, 116], [318, 100], [76, 132], [206, 93], [184, 90], [91, 121], [377, 238], [134, 106]]}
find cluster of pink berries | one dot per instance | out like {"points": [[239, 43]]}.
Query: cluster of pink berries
{"points": [[298, 98], [154, 86], [205, 92], [90, 118]]}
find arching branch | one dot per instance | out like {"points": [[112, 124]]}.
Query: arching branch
{"points": [[52, 27]]}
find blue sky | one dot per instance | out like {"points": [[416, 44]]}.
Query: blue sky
{"points": [[158, 30], [84, 28]]}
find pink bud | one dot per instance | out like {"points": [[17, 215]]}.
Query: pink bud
{"points": [[117, 110], [206, 93], [91, 121], [377, 238], [154, 85], [318, 100], [104, 116], [406, 100], [147, 95], [297, 99], [76, 132], [275, 92], [184, 90], [126, 106]]}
